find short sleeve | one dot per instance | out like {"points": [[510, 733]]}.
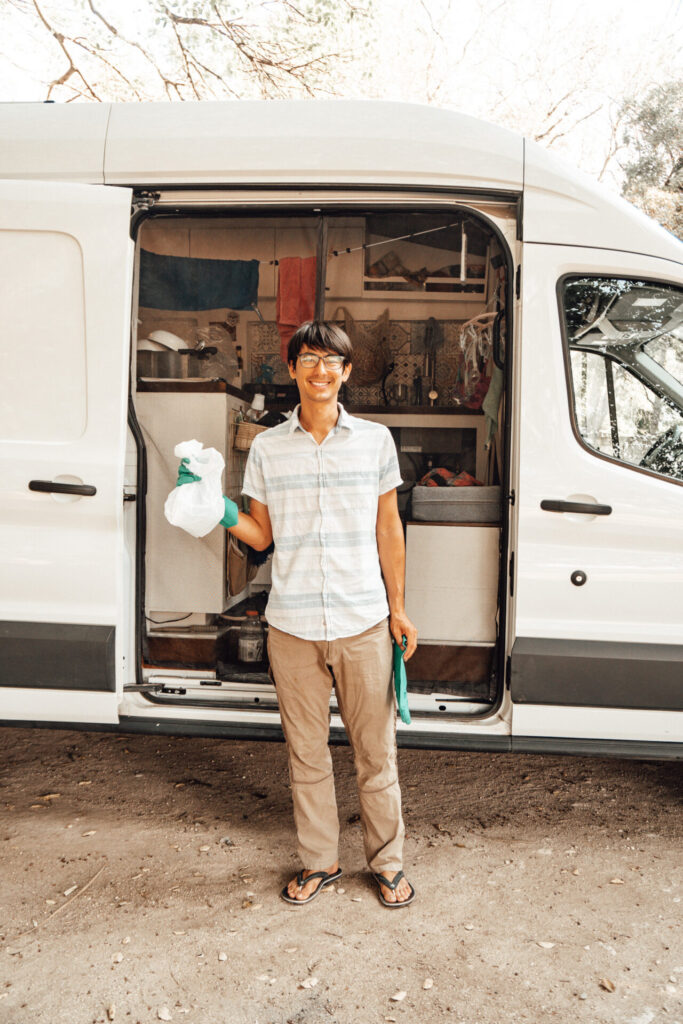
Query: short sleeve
{"points": [[389, 473], [254, 484]]}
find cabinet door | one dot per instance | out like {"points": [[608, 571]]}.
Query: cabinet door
{"points": [[183, 574], [599, 617], [66, 261], [344, 279], [452, 582]]}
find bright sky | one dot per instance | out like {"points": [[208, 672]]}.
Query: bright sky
{"points": [[617, 25], [525, 64]]}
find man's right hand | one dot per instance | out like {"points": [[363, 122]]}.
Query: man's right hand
{"points": [[231, 513]]}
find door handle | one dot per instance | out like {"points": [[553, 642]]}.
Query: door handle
{"points": [[51, 486], [586, 508]]}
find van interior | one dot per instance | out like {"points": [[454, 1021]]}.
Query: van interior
{"points": [[422, 294]]}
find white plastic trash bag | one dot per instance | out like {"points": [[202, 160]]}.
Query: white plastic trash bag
{"points": [[199, 506]]}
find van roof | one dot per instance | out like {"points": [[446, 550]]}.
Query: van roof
{"points": [[320, 142]]}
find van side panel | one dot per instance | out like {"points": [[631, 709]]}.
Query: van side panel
{"points": [[599, 618], [564, 206], [55, 141]]}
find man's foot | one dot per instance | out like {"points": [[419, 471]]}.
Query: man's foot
{"points": [[302, 892], [399, 892]]}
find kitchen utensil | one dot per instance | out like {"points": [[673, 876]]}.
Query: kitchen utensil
{"points": [[147, 345], [163, 355], [168, 340], [398, 394], [164, 363]]}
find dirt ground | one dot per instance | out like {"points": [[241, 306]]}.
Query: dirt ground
{"points": [[140, 880]]}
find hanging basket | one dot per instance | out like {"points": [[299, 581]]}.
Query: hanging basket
{"points": [[245, 434]]}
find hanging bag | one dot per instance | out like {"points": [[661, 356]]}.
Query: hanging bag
{"points": [[197, 507], [371, 349]]}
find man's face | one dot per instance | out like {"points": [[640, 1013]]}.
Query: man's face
{"points": [[318, 383]]}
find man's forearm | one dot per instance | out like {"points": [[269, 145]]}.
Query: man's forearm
{"points": [[253, 533], [392, 559]]}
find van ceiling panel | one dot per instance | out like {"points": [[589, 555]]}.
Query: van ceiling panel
{"points": [[304, 142], [53, 142]]}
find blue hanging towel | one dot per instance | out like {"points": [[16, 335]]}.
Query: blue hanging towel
{"points": [[186, 284]]}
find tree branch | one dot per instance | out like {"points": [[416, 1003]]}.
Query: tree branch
{"points": [[575, 125], [97, 55], [557, 104], [72, 69], [277, 56], [613, 147], [183, 54], [131, 42]]}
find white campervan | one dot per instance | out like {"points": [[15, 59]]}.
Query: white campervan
{"points": [[517, 328]]}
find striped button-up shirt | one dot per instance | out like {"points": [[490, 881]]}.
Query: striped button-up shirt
{"points": [[322, 501]]}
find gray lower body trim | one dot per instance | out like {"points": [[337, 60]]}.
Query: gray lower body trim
{"points": [[597, 674], [643, 750], [273, 733], [452, 741], [232, 730], [57, 656]]}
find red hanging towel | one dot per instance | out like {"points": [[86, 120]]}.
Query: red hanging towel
{"points": [[295, 296]]}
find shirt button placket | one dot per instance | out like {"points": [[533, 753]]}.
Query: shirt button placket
{"points": [[324, 566]]}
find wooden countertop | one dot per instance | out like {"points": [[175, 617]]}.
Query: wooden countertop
{"points": [[191, 385], [414, 410]]}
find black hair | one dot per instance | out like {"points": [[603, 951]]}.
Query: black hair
{"points": [[320, 336]]}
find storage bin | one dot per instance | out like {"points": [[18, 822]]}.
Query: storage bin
{"points": [[456, 504]]}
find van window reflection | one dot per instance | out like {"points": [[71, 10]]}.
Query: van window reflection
{"points": [[626, 359], [667, 352]]}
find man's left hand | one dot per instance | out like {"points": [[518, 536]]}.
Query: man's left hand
{"points": [[400, 626]]}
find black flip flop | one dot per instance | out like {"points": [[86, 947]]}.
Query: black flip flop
{"points": [[325, 879], [383, 880]]}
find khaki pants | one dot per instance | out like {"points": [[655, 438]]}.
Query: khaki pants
{"points": [[360, 669]]}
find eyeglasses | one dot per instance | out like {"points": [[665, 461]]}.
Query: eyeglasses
{"points": [[309, 359]]}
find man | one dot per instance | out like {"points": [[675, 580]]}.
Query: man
{"points": [[323, 486]]}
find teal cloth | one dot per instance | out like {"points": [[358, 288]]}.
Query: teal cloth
{"points": [[491, 402], [188, 283], [401, 682]]}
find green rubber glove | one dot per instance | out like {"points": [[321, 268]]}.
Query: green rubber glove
{"points": [[184, 474], [231, 514]]}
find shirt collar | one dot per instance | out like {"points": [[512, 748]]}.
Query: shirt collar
{"points": [[344, 422]]}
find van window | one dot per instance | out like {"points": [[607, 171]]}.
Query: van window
{"points": [[667, 351], [625, 348], [43, 337]]}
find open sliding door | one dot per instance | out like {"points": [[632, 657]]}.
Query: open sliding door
{"points": [[66, 261]]}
